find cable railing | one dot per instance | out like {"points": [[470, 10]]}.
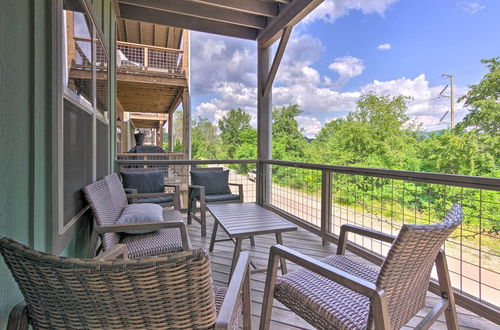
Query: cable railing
{"points": [[321, 198]]}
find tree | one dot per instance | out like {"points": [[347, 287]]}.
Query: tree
{"points": [[205, 142], [483, 100], [288, 141], [231, 127], [378, 133]]}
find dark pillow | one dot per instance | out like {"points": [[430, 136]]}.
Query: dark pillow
{"points": [[215, 182], [144, 182]]}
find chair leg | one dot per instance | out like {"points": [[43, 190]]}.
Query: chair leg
{"points": [[252, 241], [18, 317], [267, 303], [446, 291], [203, 218], [214, 236], [190, 205]]}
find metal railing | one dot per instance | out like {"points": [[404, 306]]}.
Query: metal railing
{"points": [[136, 58], [321, 198]]}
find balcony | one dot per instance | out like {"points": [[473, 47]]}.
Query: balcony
{"points": [[321, 198]]}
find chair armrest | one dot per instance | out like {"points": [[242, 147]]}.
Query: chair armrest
{"points": [[18, 317], [138, 226], [177, 194], [146, 195], [377, 295], [238, 286], [201, 191], [240, 189], [113, 253], [130, 191], [344, 229]]}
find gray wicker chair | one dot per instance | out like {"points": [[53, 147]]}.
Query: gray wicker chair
{"points": [[204, 199], [107, 199], [174, 291], [339, 293]]}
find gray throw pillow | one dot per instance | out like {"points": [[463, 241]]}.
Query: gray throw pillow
{"points": [[144, 182], [215, 182], [140, 213]]}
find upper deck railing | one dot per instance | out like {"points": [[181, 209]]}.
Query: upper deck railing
{"points": [[132, 58]]}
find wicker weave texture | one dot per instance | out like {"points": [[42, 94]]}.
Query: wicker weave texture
{"points": [[173, 291], [106, 205], [324, 303], [405, 273], [404, 276]]}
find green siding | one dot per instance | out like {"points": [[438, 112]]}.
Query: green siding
{"points": [[26, 131]]}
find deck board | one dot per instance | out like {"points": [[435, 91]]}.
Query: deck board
{"points": [[310, 245]]}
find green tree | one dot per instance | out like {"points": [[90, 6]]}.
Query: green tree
{"points": [[288, 141], [232, 126], [483, 100], [205, 142]]}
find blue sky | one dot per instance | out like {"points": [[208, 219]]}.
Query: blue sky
{"points": [[346, 48]]}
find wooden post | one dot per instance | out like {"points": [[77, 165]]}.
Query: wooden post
{"points": [[186, 124], [264, 124], [185, 55], [161, 133], [146, 55], [170, 136], [326, 204]]}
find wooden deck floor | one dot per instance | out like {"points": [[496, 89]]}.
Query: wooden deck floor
{"points": [[308, 244]]}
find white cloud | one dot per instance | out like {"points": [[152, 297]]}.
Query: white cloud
{"points": [[330, 10], [470, 7], [385, 46], [310, 126], [347, 67]]}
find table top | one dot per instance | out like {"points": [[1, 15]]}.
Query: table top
{"points": [[248, 219]]}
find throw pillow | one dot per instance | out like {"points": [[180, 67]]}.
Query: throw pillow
{"points": [[140, 213], [215, 182], [144, 182]]}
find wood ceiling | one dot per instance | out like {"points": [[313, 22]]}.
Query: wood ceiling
{"points": [[261, 20], [149, 34]]}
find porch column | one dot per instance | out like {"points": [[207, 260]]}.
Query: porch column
{"points": [[186, 124], [264, 123], [170, 133]]}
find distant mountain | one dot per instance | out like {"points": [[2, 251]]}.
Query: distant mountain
{"points": [[425, 135]]}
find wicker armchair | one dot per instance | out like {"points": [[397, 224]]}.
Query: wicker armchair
{"points": [[173, 291], [107, 199], [203, 199], [337, 292]]}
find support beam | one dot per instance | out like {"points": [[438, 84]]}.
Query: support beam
{"points": [[186, 124], [186, 22], [256, 7], [176, 101], [290, 14], [264, 122], [200, 10], [170, 133], [285, 35]]}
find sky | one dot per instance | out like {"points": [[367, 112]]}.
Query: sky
{"points": [[347, 48]]}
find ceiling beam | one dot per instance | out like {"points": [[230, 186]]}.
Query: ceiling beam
{"points": [[255, 7], [186, 22], [277, 60], [203, 11], [290, 14], [176, 101]]}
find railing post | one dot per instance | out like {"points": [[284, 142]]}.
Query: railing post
{"points": [[146, 57], [326, 204]]}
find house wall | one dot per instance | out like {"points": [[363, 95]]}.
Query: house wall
{"points": [[26, 130]]}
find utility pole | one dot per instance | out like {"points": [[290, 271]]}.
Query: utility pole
{"points": [[452, 98]]}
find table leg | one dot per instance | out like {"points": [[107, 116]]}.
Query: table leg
{"points": [[214, 235], [236, 255], [279, 240]]}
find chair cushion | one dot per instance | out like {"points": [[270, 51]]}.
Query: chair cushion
{"points": [[215, 182], [140, 213], [152, 244], [144, 182], [323, 303], [220, 198], [156, 200]]}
